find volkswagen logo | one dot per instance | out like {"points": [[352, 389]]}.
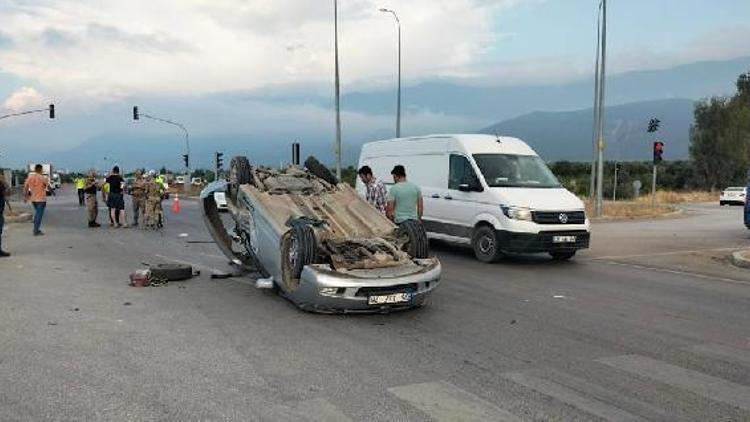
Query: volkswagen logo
{"points": [[563, 218]]}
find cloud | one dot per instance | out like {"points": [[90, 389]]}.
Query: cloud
{"points": [[141, 47], [24, 98]]}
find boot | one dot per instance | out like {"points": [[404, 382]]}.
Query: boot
{"points": [[4, 254]]}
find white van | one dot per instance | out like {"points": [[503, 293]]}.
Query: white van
{"points": [[493, 192]]}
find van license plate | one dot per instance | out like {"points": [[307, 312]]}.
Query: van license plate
{"points": [[389, 299], [563, 239]]}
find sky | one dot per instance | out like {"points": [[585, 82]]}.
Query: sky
{"points": [[85, 54]]}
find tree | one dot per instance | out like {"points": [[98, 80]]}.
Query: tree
{"points": [[720, 138]]}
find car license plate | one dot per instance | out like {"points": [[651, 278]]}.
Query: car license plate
{"points": [[563, 239], [389, 299]]}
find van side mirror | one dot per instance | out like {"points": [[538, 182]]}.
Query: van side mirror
{"points": [[474, 187]]}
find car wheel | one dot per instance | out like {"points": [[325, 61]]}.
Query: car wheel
{"points": [[171, 272], [300, 250], [562, 256], [418, 245], [316, 168], [240, 173], [722, 203], [486, 245]]}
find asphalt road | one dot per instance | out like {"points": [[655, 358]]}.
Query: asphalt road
{"points": [[650, 324]]}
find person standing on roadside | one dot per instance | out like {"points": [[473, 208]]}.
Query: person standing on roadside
{"points": [[80, 183], [35, 190], [404, 198], [4, 191], [115, 199], [105, 199], [138, 192], [376, 193], [92, 205]]}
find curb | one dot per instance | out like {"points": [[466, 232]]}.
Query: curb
{"points": [[23, 217], [740, 261], [678, 212]]}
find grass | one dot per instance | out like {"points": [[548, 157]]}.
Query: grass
{"points": [[642, 207]]}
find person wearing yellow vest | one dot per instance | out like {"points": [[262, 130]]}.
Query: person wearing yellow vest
{"points": [[80, 183]]}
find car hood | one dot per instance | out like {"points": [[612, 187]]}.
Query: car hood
{"points": [[540, 199]]}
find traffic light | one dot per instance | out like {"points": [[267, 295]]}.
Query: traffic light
{"points": [[136, 116], [658, 151], [653, 125], [186, 158], [219, 160], [51, 111]]}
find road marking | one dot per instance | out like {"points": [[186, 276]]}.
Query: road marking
{"points": [[722, 352], [443, 401], [601, 258], [309, 411], [678, 272], [571, 397], [699, 383]]}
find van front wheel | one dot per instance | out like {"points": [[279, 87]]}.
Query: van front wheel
{"points": [[486, 245]]}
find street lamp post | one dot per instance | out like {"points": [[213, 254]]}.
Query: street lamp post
{"points": [[398, 100], [137, 115], [337, 88], [600, 123]]}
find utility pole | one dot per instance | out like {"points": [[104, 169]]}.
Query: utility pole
{"points": [[595, 135], [338, 90], [614, 184], [600, 129]]}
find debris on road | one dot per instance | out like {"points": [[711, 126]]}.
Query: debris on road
{"points": [[184, 235], [221, 275], [127, 304], [559, 297]]}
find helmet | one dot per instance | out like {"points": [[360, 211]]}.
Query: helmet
{"points": [[152, 172]]}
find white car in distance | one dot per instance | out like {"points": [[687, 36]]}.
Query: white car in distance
{"points": [[733, 196]]}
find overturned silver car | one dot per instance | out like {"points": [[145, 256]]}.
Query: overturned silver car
{"points": [[319, 243]]}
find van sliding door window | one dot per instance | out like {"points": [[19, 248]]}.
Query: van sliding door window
{"points": [[461, 172]]}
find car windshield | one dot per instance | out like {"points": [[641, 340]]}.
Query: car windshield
{"points": [[508, 170]]}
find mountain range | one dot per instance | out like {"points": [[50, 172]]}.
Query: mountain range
{"points": [[554, 118]]}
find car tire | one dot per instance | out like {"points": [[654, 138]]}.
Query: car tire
{"points": [[418, 245], [240, 173], [562, 256], [301, 249], [317, 169], [486, 244], [171, 272], [722, 203]]}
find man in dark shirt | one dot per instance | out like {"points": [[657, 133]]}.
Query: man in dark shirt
{"points": [[115, 200], [3, 191]]}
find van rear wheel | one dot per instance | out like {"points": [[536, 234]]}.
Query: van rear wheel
{"points": [[486, 244]]}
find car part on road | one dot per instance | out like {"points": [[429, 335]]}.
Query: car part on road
{"points": [[171, 272], [486, 245]]}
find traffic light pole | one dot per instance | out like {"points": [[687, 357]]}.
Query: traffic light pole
{"points": [[653, 186]]}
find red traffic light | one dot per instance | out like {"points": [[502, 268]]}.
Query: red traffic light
{"points": [[658, 151]]}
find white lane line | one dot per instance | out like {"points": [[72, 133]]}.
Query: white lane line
{"points": [[313, 410], [677, 272], [686, 379], [443, 401], [726, 353], [571, 397], [602, 258]]}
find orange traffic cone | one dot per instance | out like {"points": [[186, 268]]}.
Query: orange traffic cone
{"points": [[176, 207]]}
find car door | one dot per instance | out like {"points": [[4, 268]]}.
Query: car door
{"points": [[457, 204]]}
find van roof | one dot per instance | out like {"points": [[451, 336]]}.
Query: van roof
{"points": [[472, 143]]}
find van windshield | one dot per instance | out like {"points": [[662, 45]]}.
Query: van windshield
{"points": [[507, 170]]}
